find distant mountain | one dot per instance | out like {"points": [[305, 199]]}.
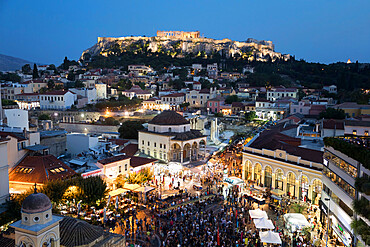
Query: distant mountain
{"points": [[8, 63]]}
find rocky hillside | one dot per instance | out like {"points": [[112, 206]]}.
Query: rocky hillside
{"points": [[176, 47], [8, 63]]}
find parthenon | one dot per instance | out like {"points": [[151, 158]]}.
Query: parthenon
{"points": [[178, 34]]}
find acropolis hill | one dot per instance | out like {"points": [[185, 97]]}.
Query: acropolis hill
{"points": [[180, 43]]}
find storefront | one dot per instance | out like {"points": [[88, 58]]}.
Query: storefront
{"points": [[337, 229], [268, 177]]}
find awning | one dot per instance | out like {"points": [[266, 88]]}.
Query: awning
{"points": [[277, 192], [131, 187], [36, 147], [258, 213], [145, 189], [117, 192], [263, 223], [298, 220], [270, 237]]}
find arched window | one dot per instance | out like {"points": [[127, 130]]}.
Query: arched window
{"points": [[169, 129], [268, 176], [279, 179], [291, 184], [257, 173], [248, 170]]}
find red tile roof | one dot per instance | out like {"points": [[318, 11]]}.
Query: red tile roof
{"points": [[333, 124], [113, 159], [174, 95], [60, 92], [40, 169], [120, 142], [139, 161], [130, 149]]}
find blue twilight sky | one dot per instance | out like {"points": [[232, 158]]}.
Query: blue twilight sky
{"points": [[316, 30]]}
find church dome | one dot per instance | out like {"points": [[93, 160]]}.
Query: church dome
{"points": [[36, 203], [169, 118]]}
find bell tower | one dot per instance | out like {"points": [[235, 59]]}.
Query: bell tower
{"points": [[38, 227]]}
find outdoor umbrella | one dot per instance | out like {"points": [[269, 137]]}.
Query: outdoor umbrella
{"points": [[263, 223], [270, 237]]}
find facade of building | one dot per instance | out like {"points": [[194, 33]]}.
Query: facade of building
{"points": [[276, 161], [155, 104], [356, 128], [199, 98], [57, 100], [173, 100], [169, 138], [4, 177], [215, 105], [27, 101], [352, 109], [278, 93], [136, 91], [339, 191]]}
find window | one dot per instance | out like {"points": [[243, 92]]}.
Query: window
{"points": [[155, 144], [57, 170], [142, 142], [366, 133], [343, 165], [216, 104], [164, 156], [36, 219], [154, 129], [339, 181], [25, 170], [148, 143], [160, 145], [354, 132], [119, 169], [210, 103], [125, 167], [169, 130], [164, 146], [184, 128]]}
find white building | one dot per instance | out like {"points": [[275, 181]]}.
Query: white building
{"points": [[78, 143], [169, 138], [17, 118], [173, 100], [57, 100], [140, 70], [101, 91], [330, 89], [4, 175], [89, 93], [278, 93]]}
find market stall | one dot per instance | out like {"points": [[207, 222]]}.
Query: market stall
{"points": [[270, 237], [263, 223], [295, 222], [257, 214]]}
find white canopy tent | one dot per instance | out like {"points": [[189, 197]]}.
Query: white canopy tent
{"points": [[257, 214], [295, 221], [263, 223], [270, 237]]}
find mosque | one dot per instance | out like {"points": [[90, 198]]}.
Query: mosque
{"points": [[38, 227]]}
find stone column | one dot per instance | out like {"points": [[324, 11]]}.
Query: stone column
{"points": [[309, 192], [252, 177], [285, 189], [262, 177], [243, 171], [273, 180], [297, 188], [182, 155]]}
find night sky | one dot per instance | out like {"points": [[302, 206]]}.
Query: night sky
{"points": [[323, 31]]}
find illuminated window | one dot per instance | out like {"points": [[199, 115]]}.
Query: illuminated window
{"points": [[57, 170], [354, 132], [26, 170], [366, 133]]}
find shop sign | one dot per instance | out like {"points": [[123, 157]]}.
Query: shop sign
{"points": [[94, 173]]}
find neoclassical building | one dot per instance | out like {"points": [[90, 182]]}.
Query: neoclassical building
{"points": [[170, 138], [276, 161]]}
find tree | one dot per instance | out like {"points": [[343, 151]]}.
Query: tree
{"points": [[79, 84], [35, 72], [26, 69], [332, 113], [71, 76], [232, 98], [51, 84], [129, 129], [44, 117], [111, 121], [250, 116], [93, 189]]}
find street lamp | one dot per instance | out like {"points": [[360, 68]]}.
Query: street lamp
{"points": [[327, 230]]}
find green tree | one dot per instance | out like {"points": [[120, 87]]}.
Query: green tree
{"points": [[93, 189], [111, 121], [332, 113], [6, 102], [44, 117], [51, 84], [35, 72], [71, 76], [232, 98], [129, 129], [79, 84], [26, 69], [250, 116]]}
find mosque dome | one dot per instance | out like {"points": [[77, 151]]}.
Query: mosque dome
{"points": [[169, 118], [36, 203]]}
